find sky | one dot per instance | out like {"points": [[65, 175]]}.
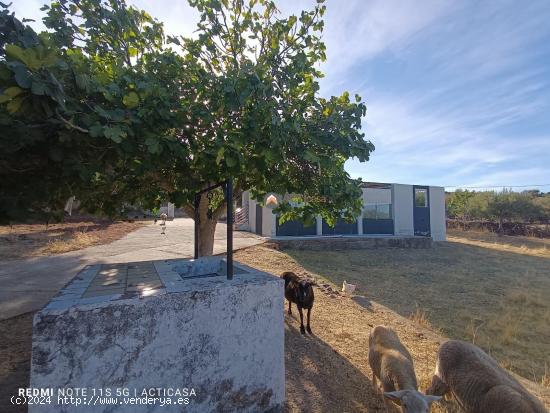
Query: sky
{"points": [[457, 92]]}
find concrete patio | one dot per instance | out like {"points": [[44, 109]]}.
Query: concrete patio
{"points": [[27, 285]]}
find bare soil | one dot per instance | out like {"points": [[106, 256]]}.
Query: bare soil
{"points": [[15, 359], [31, 240]]}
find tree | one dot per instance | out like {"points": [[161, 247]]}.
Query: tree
{"points": [[138, 120], [542, 202], [458, 204], [86, 110], [508, 205]]}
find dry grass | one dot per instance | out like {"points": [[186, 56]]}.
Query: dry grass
{"points": [[31, 240], [330, 372], [77, 241], [420, 317], [538, 247], [545, 379], [497, 298]]}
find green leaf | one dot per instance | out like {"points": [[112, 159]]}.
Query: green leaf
{"points": [[82, 81], [230, 161], [10, 93], [5, 73], [152, 145], [114, 133], [13, 91], [14, 105], [22, 77], [15, 52], [38, 88], [219, 157], [131, 100], [26, 56], [96, 130]]}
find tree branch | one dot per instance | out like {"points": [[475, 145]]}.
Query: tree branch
{"points": [[69, 123]]}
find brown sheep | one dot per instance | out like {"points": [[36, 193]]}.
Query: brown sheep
{"points": [[478, 383], [392, 365]]}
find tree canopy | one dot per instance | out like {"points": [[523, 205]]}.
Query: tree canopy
{"points": [[502, 206], [106, 107]]}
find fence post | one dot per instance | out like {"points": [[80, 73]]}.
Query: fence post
{"points": [[197, 218], [229, 200]]}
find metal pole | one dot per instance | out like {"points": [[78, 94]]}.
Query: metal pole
{"points": [[229, 200], [197, 217]]}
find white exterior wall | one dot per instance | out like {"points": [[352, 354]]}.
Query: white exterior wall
{"points": [[245, 226], [401, 197], [252, 215], [402, 209], [437, 213], [268, 220], [168, 210], [319, 225]]}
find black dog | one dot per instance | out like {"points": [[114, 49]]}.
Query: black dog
{"points": [[299, 292]]}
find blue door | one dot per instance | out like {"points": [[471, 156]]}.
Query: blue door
{"points": [[421, 211]]}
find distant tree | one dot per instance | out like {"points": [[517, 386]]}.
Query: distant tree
{"points": [[477, 205], [542, 202], [508, 205], [458, 204], [104, 108]]}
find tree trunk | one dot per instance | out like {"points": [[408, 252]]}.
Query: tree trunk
{"points": [[500, 228], [207, 227], [206, 237]]}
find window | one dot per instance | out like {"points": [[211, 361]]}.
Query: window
{"points": [[383, 211], [377, 211], [369, 212], [420, 197]]}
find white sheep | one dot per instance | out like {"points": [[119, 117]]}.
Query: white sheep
{"points": [[392, 365], [348, 288], [478, 383]]}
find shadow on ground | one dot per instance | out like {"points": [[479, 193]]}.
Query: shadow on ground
{"points": [[310, 384], [15, 359]]}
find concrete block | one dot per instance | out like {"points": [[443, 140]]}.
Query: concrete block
{"points": [[222, 338]]}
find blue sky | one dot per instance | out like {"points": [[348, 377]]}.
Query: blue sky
{"points": [[457, 92]]}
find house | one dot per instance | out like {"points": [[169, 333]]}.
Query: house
{"points": [[388, 210]]}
